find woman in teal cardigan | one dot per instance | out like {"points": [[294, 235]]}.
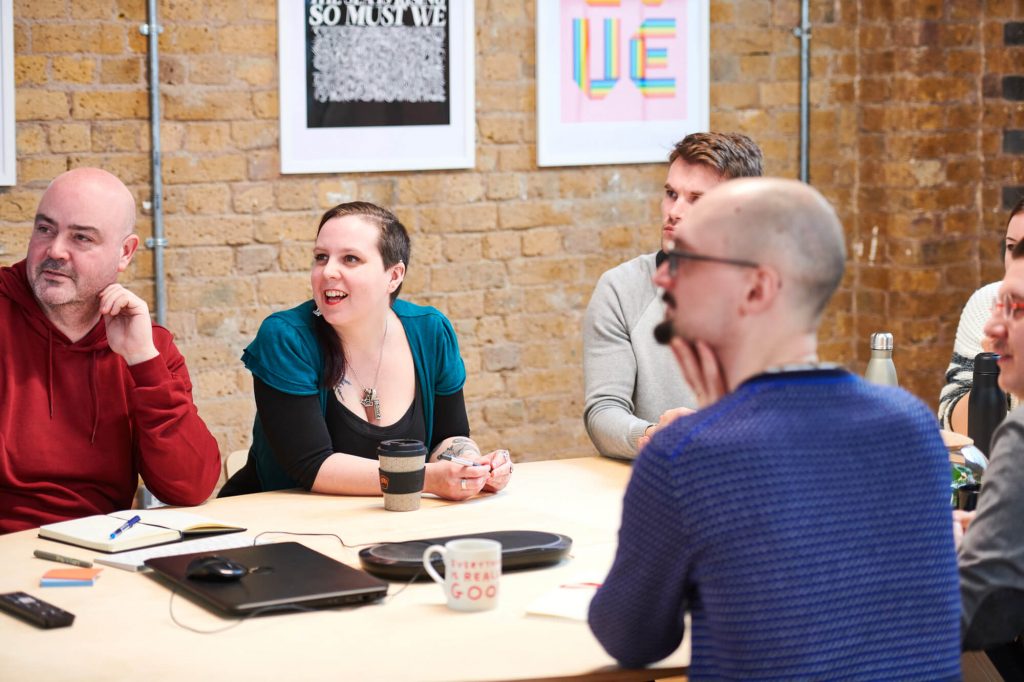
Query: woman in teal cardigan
{"points": [[335, 376]]}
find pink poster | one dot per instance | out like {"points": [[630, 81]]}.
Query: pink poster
{"points": [[622, 60]]}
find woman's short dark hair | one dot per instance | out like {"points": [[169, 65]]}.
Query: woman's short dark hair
{"points": [[1017, 209], [394, 247]]}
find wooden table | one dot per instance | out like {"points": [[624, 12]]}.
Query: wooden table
{"points": [[123, 629]]}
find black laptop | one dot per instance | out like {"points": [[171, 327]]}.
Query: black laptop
{"points": [[281, 576]]}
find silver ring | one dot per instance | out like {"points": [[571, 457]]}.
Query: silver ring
{"points": [[462, 483]]}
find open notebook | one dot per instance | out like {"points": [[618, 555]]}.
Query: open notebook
{"points": [[156, 527]]}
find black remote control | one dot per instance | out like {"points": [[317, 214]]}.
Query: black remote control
{"points": [[36, 611]]}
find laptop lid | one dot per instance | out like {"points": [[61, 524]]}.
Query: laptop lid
{"points": [[280, 575]]}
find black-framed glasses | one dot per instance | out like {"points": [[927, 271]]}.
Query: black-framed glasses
{"points": [[674, 256], [1005, 308]]}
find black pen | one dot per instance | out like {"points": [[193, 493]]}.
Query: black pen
{"points": [[61, 558]]}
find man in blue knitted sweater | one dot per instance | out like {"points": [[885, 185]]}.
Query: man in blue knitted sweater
{"points": [[801, 516]]}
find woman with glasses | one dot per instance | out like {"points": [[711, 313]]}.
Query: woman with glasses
{"points": [[354, 366], [970, 335]]}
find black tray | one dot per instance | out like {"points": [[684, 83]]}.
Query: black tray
{"points": [[519, 549]]}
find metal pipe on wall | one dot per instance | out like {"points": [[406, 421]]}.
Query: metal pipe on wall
{"points": [[803, 32], [157, 242]]}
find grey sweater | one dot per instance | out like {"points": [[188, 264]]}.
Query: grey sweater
{"points": [[992, 553], [630, 380]]}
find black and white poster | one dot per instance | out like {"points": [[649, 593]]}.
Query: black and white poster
{"points": [[376, 84]]}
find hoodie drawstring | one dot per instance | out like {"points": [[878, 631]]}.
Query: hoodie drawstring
{"points": [[95, 396]]}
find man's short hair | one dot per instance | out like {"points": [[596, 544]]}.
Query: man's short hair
{"points": [[733, 155]]}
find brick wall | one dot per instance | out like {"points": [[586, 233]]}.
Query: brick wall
{"points": [[916, 136]]}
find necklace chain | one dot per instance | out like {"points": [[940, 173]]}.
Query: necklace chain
{"points": [[370, 400]]}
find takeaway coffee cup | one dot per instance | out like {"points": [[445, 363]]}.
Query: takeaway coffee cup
{"points": [[402, 463], [472, 571]]}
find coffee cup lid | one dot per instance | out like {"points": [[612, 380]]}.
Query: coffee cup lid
{"points": [[401, 447]]}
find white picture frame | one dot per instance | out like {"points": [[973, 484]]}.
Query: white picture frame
{"points": [[619, 121], [8, 138], [344, 148]]}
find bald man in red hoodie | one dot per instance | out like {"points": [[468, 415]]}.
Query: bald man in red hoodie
{"points": [[92, 394]]}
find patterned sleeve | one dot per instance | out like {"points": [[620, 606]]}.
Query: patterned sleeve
{"points": [[969, 333]]}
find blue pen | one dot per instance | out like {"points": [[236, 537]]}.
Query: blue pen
{"points": [[127, 524]]}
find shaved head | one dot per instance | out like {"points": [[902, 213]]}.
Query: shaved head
{"points": [[102, 186], [785, 224]]}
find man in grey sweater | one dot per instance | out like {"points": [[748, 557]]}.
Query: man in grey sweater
{"points": [[632, 384], [992, 551]]}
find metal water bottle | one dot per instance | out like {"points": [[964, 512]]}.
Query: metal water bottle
{"points": [[880, 369], [986, 406]]}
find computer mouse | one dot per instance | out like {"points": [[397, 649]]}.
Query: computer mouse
{"points": [[215, 569]]}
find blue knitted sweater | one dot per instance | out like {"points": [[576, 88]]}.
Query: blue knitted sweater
{"points": [[804, 522]]}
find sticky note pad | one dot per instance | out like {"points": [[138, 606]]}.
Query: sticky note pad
{"points": [[70, 577]]}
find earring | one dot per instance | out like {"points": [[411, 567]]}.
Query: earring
{"points": [[317, 313]]}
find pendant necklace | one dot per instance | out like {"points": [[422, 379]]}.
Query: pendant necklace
{"points": [[370, 400]]}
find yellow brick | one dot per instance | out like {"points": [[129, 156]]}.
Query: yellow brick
{"points": [[111, 104], [504, 66], [33, 9], [505, 186], [18, 205], [191, 104], [458, 248], [209, 261], [131, 168], [257, 71], [265, 104], [206, 199], [467, 218], [31, 139], [501, 128], [533, 214], [74, 69], [281, 226], [190, 168], [290, 289], [257, 39], [252, 197], [70, 137], [40, 105], [516, 158], [29, 70], [204, 137], [93, 9], [211, 70], [254, 134], [65, 37], [118, 136], [189, 39], [121, 70], [46, 168], [295, 257], [330, 193], [466, 277], [192, 230], [429, 188], [502, 245], [543, 242]]}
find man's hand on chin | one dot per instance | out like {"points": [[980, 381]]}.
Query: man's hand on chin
{"points": [[701, 369], [129, 329]]}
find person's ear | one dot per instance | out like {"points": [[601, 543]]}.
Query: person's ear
{"points": [[397, 276], [129, 246], [762, 290]]}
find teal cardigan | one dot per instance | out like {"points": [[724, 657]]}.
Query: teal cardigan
{"points": [[286, 356]]}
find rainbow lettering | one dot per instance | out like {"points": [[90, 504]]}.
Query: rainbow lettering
{"points": [[595, 89], [642, 58]]}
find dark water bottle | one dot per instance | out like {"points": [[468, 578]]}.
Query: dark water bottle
{"points": [[986, 407]]}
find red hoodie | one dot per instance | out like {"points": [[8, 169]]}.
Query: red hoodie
{"points": [[78, 425]]}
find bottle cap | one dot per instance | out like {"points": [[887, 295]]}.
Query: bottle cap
{"points": [[881, 341], [986, 363]]}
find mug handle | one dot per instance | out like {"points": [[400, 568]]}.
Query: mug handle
{"points": [[439, 549]]}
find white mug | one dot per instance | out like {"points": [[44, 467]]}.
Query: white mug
{"points": [[472, 571]]}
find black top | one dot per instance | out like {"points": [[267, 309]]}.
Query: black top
{"points": [[302, 438]]}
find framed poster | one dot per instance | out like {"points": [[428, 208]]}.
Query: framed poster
{"points": [[8, 157], [619, 81], [367, 85]]}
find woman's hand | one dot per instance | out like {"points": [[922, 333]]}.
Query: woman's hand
{"points": [[500, 462], [453, 481]]}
